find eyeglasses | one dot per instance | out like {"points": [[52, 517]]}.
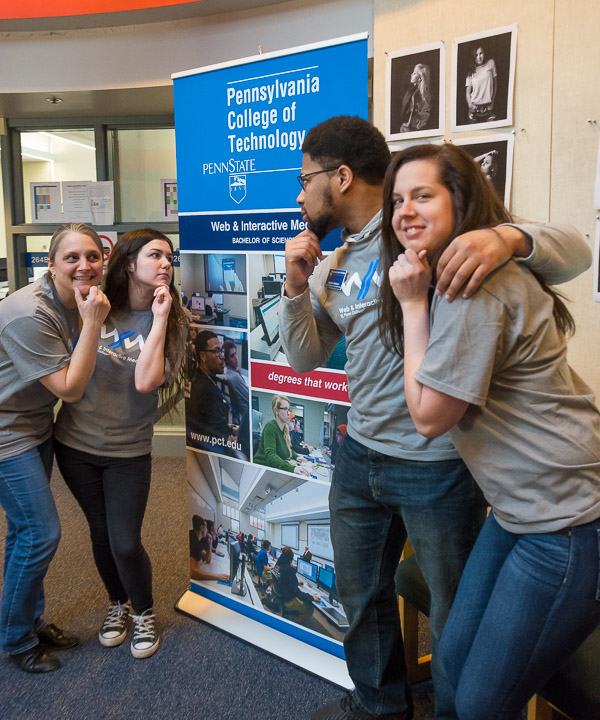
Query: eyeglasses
{"points": [[287, 409], [216, 351], [302, 177]]}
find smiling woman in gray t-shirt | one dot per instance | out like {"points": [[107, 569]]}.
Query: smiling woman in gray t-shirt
{"points": [[104, 441], [39, 326], [492, 371]]}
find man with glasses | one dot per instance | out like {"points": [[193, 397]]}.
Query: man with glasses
{"points": [[212, 411], [389, 481]]}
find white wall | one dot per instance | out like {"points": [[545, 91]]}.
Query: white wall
{"points": [[556, 91]]}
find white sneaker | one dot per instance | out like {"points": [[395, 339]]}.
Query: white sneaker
{"points": [[114, 627], [145, 639]]}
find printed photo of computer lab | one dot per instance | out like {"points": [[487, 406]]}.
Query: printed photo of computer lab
{"points": [[213, 288], [262, 538]]}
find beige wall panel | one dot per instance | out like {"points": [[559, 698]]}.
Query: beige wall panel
{"points": [[574, 153], [556, 91], [410, 23]]}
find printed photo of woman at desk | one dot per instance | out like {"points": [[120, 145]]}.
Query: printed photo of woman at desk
{"points": [[214, 289], [304, 449], [275, 446]]}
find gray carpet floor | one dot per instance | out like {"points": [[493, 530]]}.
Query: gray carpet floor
{"points": [[199, 672]]}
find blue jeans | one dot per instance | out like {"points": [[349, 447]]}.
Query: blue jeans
{"points": [[33, 533], [113, 494], [524, 604], [375, 500]]}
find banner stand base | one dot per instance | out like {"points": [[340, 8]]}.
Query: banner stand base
{"points": [[294, 651]]}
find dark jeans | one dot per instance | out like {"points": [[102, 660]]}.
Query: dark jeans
{"points": [[32, 536], [375, 500], [113, 493], [524, 604]]}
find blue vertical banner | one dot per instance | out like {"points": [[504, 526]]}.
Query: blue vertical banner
{"points": [[239, 132]]}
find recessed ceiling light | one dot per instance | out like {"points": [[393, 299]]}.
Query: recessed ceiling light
{"points": [[54, 100]]}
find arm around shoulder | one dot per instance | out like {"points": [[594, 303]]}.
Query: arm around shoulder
{"points": [[558, 254]]}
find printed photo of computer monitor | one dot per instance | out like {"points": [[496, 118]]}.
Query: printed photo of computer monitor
{"points": [[271, 288], [326, 580], [268, 314], [307, 570], [198, 303]]}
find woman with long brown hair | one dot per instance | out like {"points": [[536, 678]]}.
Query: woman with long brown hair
{"points": [[492, 371], [104, 442]]}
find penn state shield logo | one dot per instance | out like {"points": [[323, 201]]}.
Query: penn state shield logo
{"points": [[237, 188]]}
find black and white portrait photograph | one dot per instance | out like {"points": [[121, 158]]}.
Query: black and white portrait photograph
{"points": [[415, 92], [494, 154], [483, 76]]}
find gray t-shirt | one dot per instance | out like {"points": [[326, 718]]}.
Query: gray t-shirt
{"points": [[378, 417], [531, 434], [113, 418], [311, 325], [37, 335]]}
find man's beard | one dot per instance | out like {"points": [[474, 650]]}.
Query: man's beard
{"points": [[320, 227], [326, 222]]}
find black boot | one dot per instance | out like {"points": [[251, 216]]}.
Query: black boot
{"points": [[53, 637]]}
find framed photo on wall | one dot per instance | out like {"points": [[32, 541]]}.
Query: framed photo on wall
{"points": [[415, 92], [494, 153], [483, 77], [597, 263]]}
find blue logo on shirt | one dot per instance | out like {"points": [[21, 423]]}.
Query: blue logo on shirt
{"points": [[366, 281], [122, 339]]}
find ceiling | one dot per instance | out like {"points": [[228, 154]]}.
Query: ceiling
{"points": [[89, 103], [155, 100], [133, 17]]}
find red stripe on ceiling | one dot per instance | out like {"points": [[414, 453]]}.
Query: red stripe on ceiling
{"points": [[61, 8]]}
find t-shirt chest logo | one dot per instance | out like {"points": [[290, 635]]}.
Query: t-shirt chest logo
{"points": [[340, 280], [124, 340], [363, 283]]}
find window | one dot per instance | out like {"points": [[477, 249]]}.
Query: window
{"points": [[54, 156], [142, 158], [231, 512]]}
